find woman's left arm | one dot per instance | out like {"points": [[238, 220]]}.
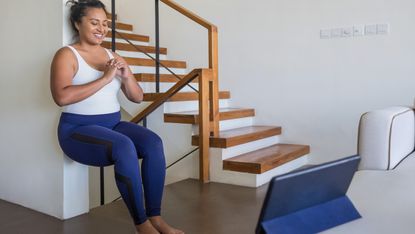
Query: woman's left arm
{"points": [[129, 84]]}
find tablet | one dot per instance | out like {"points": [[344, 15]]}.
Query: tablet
{"points": [[294, 198]]}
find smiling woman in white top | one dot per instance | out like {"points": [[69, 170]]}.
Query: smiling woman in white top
{"points": [[85, 80]]}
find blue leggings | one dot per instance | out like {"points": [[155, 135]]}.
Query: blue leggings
{"points": [[102, 140]]}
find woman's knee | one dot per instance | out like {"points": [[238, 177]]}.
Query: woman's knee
{"points": [[124, 147], [155, 139], [139, 134]]}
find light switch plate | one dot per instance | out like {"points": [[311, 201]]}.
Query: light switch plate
{"points": [[383, 28], [336, 32], [371, 29], [325, 33]]}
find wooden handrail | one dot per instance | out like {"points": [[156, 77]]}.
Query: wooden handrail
{"points": [[165, 96], [213, 60], [188, 14]]}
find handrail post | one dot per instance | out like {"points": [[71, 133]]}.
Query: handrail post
{"points": [[204, 129], [214, 84], [157, 24]]}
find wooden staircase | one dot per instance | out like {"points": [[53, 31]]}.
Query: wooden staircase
{"points": [[247, 149]]}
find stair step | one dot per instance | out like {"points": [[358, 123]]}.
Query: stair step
{"points": [[128, 47], [109, 16], [240, 136], [183, 96], [122, 26], [165, 78], [192, 117], [130, 36], [262, 160], [152, 63]]}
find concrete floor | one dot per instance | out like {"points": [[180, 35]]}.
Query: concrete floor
{"points": [[193, 207]]}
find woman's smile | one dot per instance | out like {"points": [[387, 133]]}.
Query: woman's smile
{"points": [[99, 35]]}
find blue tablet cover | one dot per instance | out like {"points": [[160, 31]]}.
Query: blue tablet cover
{"points": [[309, 200]]}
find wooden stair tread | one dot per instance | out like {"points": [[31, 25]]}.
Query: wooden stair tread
{"points": [[240, 136], [152, 63], [128, 47], [192, 117], [130, 36], [109, 16], [183, 96], [122, 26], [165, 78], [262, 160]]}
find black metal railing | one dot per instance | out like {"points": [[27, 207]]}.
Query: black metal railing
{"points": [[158, 64], [113, 48], [156, 60], [157, 34]]}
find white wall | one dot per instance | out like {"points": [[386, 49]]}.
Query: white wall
{"points": [[272, 59], [33, 172], [30, 162]]}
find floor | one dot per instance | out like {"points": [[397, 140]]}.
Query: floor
{"points": [[193, 207]]}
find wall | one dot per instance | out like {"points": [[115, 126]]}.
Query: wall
{"points": [[30, 167], [272, 59], [33, 171]]}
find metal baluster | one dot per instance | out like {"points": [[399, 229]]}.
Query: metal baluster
{"points": [[102, 191], [113, 25], [113, 48], [157, 47]]}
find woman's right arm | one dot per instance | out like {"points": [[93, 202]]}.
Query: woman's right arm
{"points": [[63, 69]]}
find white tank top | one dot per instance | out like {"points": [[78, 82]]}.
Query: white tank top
{"points": [[104, 101]]}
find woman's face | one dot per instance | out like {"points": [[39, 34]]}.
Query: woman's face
{"points": [[93, 27]]}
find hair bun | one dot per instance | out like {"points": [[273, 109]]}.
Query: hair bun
{"points": [[78, 2], [72, 2]]}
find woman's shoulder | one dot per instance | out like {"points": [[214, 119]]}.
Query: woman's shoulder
{"points": [[65, 53], [65, 56]]}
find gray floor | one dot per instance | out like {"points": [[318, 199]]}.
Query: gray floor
{"points": [[193, 207]]}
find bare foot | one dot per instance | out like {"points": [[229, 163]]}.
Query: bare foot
{"points": [[146, 228], [163, 227]]}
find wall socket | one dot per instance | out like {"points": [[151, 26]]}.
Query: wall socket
{"points": [[358, 30], [347, 32]]}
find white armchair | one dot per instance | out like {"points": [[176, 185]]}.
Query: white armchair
{"points": [[386, 137]]}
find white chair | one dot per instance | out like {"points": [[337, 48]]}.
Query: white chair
{"points": [[386, 137]]}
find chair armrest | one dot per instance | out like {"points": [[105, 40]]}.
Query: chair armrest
{"points": [[385, 137]]}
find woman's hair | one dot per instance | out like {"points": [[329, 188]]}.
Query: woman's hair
{"points": [[78, 10]]}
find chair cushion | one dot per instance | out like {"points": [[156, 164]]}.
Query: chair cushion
{"points": [[386, 137]]}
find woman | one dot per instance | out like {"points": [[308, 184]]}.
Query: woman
{"points": [[85, 79]]}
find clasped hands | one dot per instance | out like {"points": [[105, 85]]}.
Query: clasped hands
{"points": [[115, 67]]}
